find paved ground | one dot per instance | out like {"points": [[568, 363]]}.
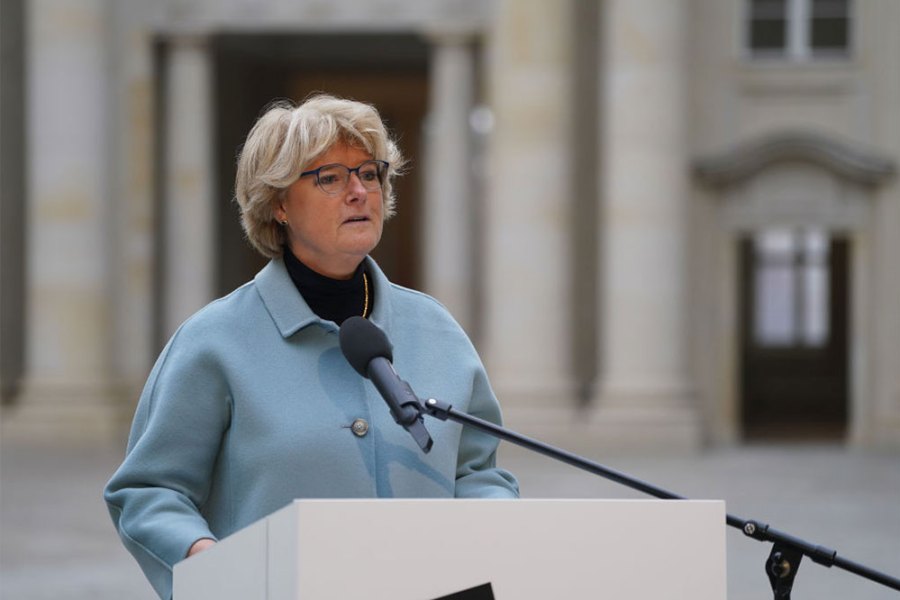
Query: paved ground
{"points": [[56, 541]]}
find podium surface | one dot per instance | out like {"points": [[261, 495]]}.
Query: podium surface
{"points": [[427, 549]]}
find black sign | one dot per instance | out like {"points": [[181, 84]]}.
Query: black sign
{"points": [[481, 592]]}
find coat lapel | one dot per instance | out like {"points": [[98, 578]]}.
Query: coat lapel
{"points": [[291, 313]]}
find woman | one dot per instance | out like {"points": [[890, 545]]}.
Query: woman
{"points": [[251, 403]]}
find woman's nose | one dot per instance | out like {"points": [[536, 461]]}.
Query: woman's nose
{"points": [[355, 188]]}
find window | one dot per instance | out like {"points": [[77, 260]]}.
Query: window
{"points": [[767, 25], [792, 282], [798, 29], [829, 25]]}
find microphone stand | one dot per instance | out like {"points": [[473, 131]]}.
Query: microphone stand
{"points": [[787, 550]]}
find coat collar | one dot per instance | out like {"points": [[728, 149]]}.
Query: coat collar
{"points": [[291, 313]]}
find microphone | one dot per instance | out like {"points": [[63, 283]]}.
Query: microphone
{"points": [[369, 352]]}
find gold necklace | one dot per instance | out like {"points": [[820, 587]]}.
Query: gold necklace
{"points": [[366, 292]]}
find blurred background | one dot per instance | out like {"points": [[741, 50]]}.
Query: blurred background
{"points": [[671, 228]]}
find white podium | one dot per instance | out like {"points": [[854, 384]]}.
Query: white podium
{"points": [[427, 549]]}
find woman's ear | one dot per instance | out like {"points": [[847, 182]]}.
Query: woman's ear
{"points": [[279, 213]]}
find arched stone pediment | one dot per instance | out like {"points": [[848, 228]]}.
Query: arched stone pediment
{"points": [[843, 158]]}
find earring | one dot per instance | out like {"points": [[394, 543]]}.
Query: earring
{"points": [[283, 223]]}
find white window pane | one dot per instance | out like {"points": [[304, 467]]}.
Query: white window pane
{"points": [[775, 305], [816, 305], [815, 245], [776, 244]]}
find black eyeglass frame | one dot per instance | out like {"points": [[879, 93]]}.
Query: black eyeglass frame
{"points": [[381, 170]]}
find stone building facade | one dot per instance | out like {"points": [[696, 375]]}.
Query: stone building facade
{"points": [[664, 223]]}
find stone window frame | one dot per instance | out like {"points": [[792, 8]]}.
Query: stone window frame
{"points": [[797, 46]]}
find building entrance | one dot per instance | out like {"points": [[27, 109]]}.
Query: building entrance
{"points": [[794, 286], [389, 71]]}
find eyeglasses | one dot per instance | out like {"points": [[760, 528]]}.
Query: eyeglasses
{"points": [[333, 179]]}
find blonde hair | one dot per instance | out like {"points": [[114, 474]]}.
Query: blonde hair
{"points": [[285, 140]]}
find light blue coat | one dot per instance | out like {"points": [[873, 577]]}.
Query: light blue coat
{"points": [[250, 405]]}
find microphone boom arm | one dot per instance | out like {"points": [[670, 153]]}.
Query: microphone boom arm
{"points": [[370, 353], [787, 550]]}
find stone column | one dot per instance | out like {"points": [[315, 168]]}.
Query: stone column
{"points": [[69, 388], [645, 392], [189, 222], [527, 320], [448, 260], [134, 121]]}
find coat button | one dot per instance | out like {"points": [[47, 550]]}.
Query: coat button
{"points": [[360, 427]]}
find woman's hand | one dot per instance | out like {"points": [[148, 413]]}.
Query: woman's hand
{"points": [[201, 545]]}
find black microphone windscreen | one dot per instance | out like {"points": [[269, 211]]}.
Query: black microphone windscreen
{"points": [[361, 341]]}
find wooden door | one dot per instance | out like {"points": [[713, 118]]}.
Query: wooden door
{"points": [[388, 70], [401, 99], [794, 319]]}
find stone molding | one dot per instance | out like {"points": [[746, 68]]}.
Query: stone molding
{"points": [[845, 158]]}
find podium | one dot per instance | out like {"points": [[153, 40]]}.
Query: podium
{"points": [[497, 549]]}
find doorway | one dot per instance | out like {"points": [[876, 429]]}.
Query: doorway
{"points": [[794, 297], [387, 70], [401, 99]]}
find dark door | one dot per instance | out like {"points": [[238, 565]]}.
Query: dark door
{"points": [[401, 98], [794, 316]]}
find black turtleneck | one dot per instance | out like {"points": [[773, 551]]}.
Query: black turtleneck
{"points": [[332, 299]]}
